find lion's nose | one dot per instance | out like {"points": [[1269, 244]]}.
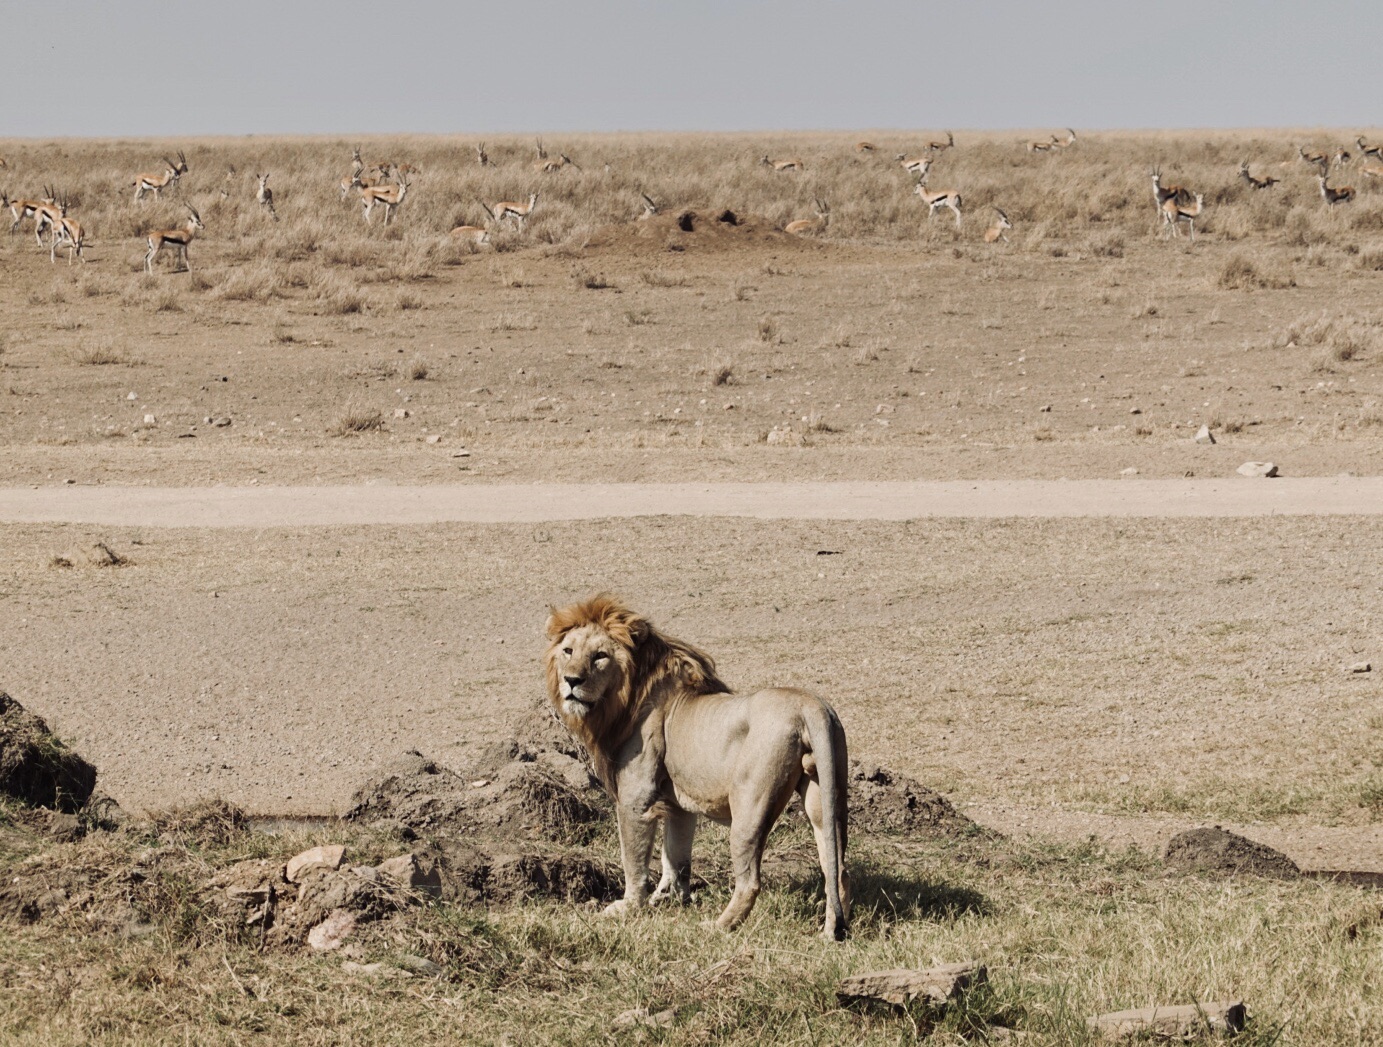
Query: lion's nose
{"points": [[573, 681]]}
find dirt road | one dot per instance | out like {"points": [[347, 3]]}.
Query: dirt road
{"points": [[537, 503]]}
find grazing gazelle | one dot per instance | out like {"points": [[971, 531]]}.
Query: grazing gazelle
{"points": [[68, 231], [812, 225], [511, 209], [1375, 151], [1174, 213], [917, 166], [178, 239], [997, 231], [794, 164], [265, 195], [1318, 159], [471, 234], [1256, 183], [156, 183], [1050, 146], [941, 198], [1343, 195], [390, 196]]}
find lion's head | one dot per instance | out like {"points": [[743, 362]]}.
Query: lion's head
{"points": [[606, 665]]}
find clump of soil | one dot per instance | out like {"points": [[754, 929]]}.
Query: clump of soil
{"points": [[1220, 852], [35, 768], [882, 801]]}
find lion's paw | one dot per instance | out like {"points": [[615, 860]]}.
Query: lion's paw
{"points": [[615, 908]]}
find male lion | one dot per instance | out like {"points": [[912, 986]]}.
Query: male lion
{"points": [[670, 741]]}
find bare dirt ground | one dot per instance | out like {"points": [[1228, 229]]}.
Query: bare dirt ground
{"points": [[1125, 677]]}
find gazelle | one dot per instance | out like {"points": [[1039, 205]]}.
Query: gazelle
{"points": [[390, 196], [178, 239], [1375, 151], [228, 183], [1050, 146], [47, 214], [481, 156], [864, 147], [917, 166], [942, 198], [1343, 195], [354, 179], [793, 164], [156, 183], [265, 195], [1256, 183], [471, 234], [1341, 158], [941, 147], [547, 165], [1163, 193], [997, 231], [1070, 140], [21, 209], [509, 209], [811, 225], [650, 207], [1318, 159], [68, 231], [1173, 213], [1372, 170]]}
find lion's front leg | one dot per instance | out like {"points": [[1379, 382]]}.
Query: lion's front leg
{"points": [[678, 829], [636, 832]]}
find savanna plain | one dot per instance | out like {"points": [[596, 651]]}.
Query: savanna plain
{"points": [[1081, 688]]}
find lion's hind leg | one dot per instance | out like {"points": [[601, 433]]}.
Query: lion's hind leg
{"points": [[678, 829], [810, 791]]}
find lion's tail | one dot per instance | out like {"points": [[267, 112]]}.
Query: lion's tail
{"points": [[827, 739]]}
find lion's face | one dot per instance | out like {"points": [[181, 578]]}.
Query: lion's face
{"points": [[589, 666]]}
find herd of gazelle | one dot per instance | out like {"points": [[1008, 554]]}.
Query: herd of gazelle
{"points": [[386, 185]]}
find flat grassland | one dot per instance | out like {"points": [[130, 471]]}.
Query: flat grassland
{"points": [[1057, 679]]}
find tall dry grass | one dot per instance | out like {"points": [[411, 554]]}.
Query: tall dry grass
{"points": [[1094, 195]]}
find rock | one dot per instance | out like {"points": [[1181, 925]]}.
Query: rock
{"points": [[1045, 409], [1135, 410], [1130, 471], [132, 396], [1262, 470], [414, 873], [435, 438], [327, 856], [332, 932], [35, 767], [221, 422], [401, 412], [420, 965], [461, 454], [150, 419], [1361, 667], [1185, 1022], [900, 986], [784, 437], [641, 1016], [1217, 851], [1204, 436]]}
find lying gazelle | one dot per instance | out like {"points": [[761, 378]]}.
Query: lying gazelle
{"points": [[547, 165], [917, 166], [1174, 213], [942, 198], [178, 239], [1372, 170], [793, 164], [1256, 183], [510, 209], [650, 208], [156, 183], [864, 147], [68, 231], [1375, 151], [941, 147], [1050, 146], [1318, 159], [471, 234], [997, 231], [1343, 195], [811, 225], [265, 195], [1163, 193], [390, 196]]}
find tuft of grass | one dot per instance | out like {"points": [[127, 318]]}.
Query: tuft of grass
{"points": [[357, 421], [1240, 273], [103, 354], [638, 317], [416, 369]]}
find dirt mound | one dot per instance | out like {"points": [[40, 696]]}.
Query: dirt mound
{"points": [[882, 801], [1220, 852], [541, 796], [714, 229], [35, 768]]}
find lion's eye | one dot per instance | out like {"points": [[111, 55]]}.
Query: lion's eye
{"points": [[599, 656], [566, 651]]}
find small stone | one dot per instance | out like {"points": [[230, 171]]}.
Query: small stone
{"points": [[642, 1016], [1135, 410], [463, 453], [783, 437], [435, 438], [421, 876], [206, 420], [331, 932], [328, 856], [69, 480], [221, 422], [1130, 471], [132, 396], [1361, 667], [401, 412], [1257, 469], [1204, 436], [420, 965], [1045, 409], [150, 419]]}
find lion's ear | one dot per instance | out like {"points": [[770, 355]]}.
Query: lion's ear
{"points": [[555, 626], [638, 630]]}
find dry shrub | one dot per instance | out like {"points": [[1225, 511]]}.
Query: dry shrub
{"points": [[102, 354], [417, 369], [406, 300], [1239, 273], [357, 420], [722, 374]]}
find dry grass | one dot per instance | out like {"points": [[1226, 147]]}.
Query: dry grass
{"points": [[357, 421]]}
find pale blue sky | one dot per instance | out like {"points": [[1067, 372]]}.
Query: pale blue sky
{"points": [[161, 67]]}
